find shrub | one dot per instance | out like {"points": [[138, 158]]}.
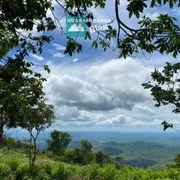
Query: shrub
{"points": [[109, 172], [94, 171], [42, 176], [71, 170], [48, 169], [4, 169], [173, 173], [38, 172], [84, 172], [14, 163], [22, 171], [62, 173]]}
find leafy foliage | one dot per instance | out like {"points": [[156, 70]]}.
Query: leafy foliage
{"points": [[19, 86], [161, 34], [59, 142], [102, 158], [18, 16], [165, 88], [82, 155], [36, 119]]}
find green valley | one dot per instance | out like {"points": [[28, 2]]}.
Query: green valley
{"points": [[142, 154]]}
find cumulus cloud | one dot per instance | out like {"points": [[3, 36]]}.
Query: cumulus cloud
{"points": [[72, 91], [72, 114], [73, 117], [123, 78], [101, 87], [105, 93], [115, 121], [125, 121]]}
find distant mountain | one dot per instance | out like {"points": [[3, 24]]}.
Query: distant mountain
{"points": [[140, 153], [140, 163], [138, 145], [112, 151], [112, 144]]}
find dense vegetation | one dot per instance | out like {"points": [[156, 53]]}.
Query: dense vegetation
{"points": [[13, 165], [82, 162]]}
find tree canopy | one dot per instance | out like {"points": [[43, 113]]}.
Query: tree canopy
{"points": [[18, 90], [20, 16], [150, 35], [161, 34], [20, 86], [59, 142]]}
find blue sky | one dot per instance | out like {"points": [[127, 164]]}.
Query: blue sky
{"points": [[95, 90]]}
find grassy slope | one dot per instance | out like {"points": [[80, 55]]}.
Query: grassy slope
{"points": [[14, 166]]}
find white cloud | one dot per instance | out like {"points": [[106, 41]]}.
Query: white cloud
{"points": [[33, 32], [73, 114], [105, 86], [72, 91], [144, 109], [35, 56], [58, 46], [73, 117], [125, 121], [105, 93], [75, 60], [119, 120], [59, 55]]}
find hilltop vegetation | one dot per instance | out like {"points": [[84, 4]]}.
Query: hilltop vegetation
{"points": [[14, 166], [81, 163], [136, 152]]}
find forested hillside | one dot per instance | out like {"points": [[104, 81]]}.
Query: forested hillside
{"points": [[142, 154]]}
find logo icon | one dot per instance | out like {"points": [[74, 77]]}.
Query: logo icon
{"points": [[75, 26]]}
